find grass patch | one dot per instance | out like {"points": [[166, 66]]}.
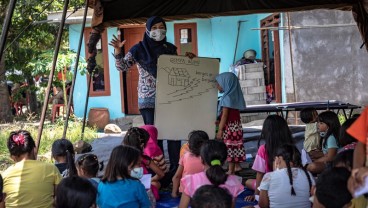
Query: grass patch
{"points": [[50, 133]]}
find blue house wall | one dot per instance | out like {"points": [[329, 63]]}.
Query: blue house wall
{"points": [[216, 38]]}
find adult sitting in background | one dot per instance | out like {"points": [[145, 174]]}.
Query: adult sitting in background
{"points": [[29, 182], [58, 98], [18, 97]]}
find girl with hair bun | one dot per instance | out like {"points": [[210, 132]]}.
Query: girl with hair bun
{"points": [[213, 154], [88, 167], [28, 182]]}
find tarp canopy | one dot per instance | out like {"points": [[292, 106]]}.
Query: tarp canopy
{"points": [[117, 12]]}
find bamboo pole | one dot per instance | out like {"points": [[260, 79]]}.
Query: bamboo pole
{"points": [[75, 70], [51, 76]]}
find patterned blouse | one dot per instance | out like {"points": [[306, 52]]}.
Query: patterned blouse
{"points": [[147, 82]]}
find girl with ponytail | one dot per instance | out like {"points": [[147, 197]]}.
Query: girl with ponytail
{"points": [[213, 154], [288, 180], [63, 153]]}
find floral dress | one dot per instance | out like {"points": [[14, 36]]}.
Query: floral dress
{"points": [[233, 137]]}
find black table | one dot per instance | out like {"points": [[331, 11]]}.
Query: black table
{"points": [[280, 108]]}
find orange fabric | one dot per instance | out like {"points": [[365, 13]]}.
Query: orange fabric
{"points": [[184, 148], [359, 129]]}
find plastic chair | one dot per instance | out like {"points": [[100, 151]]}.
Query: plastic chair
{"points": [[56, 111], [18, 106]]}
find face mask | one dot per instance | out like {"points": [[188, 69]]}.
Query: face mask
{"points": [[322, 133], [137, 173], [158, 34]]}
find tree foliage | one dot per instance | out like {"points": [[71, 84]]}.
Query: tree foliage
{"points": [[29, 38], [32, 37]]}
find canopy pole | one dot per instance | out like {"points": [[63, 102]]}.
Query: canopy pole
{"points": [[86, 104], [6, 25], [51, 76], [75, 70]]}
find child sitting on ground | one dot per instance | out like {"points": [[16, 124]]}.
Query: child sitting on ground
{"points": [[275, 133], [88, 166], [331, 189], [75, 192], [213, 154], [288, 180], [152, 149], [329, 130], [28, 182], [138, 138], [191, 162], [345, 160], [62, 151], [210, 196], [119, 187], [311, 136]]}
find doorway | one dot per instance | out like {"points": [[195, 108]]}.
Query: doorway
{"points": [[129, 79], [270, 43]]}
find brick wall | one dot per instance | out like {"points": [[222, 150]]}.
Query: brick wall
{"points": [[252, 82], [251, 78]]}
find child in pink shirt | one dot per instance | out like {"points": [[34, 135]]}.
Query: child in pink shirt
{"points": [[191, 162], [275, 133], [213, 154]]}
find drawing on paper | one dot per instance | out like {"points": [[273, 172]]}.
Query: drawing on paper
{"points": [[178, 77], [187, 84]]}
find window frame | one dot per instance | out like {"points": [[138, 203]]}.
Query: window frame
{"points": [[104, 45], [193, 27]]}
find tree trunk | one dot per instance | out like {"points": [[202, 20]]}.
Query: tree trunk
{"points": [[5, 106], [32, 95]]}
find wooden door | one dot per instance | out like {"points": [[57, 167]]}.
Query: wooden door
{"points": [[271, 56], [132, 37]]}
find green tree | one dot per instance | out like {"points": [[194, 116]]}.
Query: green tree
{"points": [[65, 65], [27, 39]]}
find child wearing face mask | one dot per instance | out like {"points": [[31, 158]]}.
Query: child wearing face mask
{"points": [[230, 128], [329, 130], [138, 138], [119, 186], [288, 180]]}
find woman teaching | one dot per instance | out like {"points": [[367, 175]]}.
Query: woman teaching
{"points": [[145, 54]]}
